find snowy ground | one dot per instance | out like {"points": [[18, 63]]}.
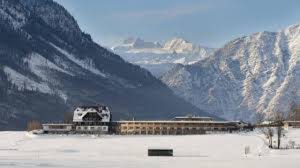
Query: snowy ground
{"points": [[21, 149]]}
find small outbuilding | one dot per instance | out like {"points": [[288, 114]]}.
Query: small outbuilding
{"points": [[160, 152], [57, 128]]}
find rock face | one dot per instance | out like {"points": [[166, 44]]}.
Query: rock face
{"points": [[257, 74], [158, 58], [48, 66]]}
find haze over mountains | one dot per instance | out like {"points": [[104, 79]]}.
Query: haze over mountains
{"points": [[256, 74], [159, 58], [48, 66]]}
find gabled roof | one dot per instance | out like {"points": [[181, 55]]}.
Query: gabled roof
{"points": [[97, 108]]}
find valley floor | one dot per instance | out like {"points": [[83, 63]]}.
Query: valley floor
{"points": [[22, 149]]}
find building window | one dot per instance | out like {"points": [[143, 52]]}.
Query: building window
{"points": [[57, 127]]}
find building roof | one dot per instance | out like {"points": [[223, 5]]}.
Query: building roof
{"points": [[96, 108], [172, 121], [200, 117], [291, 121], [64, 124], [102, 113], [192, 118]]}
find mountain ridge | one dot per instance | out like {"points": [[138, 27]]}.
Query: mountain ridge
{"points": [[159, 58], [250, 75], [48, 66]]}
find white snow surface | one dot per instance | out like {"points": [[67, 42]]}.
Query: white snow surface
{"points": [[24, 83], [22, 149], [87, 64], [157, 58], [40, 66]]}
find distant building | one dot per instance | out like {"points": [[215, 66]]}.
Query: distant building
{"points": [[86, 119], [92, 119], [97, 119], [57, 128], [177, 126], [294, 119], [291, 124], [193, 118]]}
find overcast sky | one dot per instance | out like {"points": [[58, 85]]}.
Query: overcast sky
{"points": [[207, 22]]}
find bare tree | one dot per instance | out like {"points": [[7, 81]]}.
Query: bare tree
{"points": [[259, 118], [274, 127], [266, 130], [33, 125], [68, 117], [294, 115], [278, 121]]}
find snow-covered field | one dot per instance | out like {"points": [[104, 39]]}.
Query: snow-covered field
{"points": [[22, 149]]}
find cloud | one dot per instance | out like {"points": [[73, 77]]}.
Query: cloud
{"points": [[166, 13]]}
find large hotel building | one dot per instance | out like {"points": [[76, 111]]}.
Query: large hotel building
{"points": [[97, 119]]}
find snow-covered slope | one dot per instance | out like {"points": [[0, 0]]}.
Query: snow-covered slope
{"points": [[48, 66], [158, 58], [249, 75]]}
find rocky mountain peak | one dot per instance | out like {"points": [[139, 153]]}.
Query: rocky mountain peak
{"points": [[256, 74], [293, 28], [157, 58], [178, 45], [48, 66], [53, 14], [17, 14], [137, 43]]}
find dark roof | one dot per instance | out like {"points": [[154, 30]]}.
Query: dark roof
{"points": [[98, 108], [95, 107]]}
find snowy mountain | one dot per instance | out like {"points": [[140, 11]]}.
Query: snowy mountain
{"points": [[48, 66], [158, 58], [256, 74], [135, 43]]}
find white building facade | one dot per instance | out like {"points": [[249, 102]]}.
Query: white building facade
{"points": [[92, 119]]}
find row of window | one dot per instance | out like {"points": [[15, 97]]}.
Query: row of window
{"points": [[91, 128], [92, 123], [182, 124], [171, 128], [62, 127]]}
